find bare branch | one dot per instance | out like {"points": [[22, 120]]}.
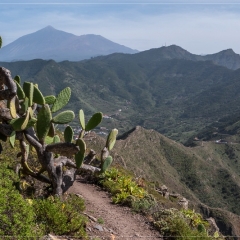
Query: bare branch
{"points": [[32, 139]]}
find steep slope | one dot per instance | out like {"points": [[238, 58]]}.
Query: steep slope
{"points": [[207, 175], [205, 172], [50, 43]]}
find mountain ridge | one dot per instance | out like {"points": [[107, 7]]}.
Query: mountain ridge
{"points": [[50, 43]]}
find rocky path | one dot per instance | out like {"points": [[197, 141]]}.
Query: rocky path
{"points": [[109, 221]]}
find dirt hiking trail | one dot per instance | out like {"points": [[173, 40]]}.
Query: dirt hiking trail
{"points": [[110, 221]]}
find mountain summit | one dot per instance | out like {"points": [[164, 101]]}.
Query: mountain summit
{"points": [[50, 43]]}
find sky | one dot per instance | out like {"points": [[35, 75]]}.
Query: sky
{"points": [[200, 27]]}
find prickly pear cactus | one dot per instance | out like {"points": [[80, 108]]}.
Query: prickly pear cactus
{"points": [[50, 99], [20, 92], [79, 156], [82, 119], [68, 134], [28, 89], [12, 139], [44, 118], [56, 139], [17, 79], [51, 131], [106, 164], [111, 139], [64, 117], [62, 99], [38, 97], [94, 121], [12, 107]]}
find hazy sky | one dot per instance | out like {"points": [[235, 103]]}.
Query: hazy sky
{"points": [[201, 27]]}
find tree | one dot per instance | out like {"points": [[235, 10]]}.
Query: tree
{"points": [[27, 116]]}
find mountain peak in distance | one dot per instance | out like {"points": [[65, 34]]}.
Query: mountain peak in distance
{"points": [[50, 43]]}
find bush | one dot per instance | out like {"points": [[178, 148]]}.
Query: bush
{"points": [[175, 224], [61, 217], [17, 216], [31, 218]]}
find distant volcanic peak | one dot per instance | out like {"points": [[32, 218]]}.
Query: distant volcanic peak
{"points": [[51, 43]]}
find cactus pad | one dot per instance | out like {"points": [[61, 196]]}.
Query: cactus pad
{"points": [[62, 99], [17, 123], [38, 97], [64, 117], [43, 122], [28, 88], [106, 164], [12, 107], [79, 156], [31, 122], [26, 119], [111, 139], [12, 139], [24, 106], [51, 131], [68, 134], [48, 140], [17, 79], [82, 119], [94, 121], [50, 99], [20, 92], [56, 139]]}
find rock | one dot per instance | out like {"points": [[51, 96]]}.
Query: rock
{"points": [[163, 188], [79, 195], [99, 228], [212, 225], [184, 203]]}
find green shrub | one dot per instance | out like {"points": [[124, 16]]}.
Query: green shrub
{"points": [[61, 217], [17, 217], [121, 186], [175, 224]]}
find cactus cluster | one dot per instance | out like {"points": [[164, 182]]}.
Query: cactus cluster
{"points": [[106, 159], [91, 124], [29, 116], [27, 99], [23, 116]]}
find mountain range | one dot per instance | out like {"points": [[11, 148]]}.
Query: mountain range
{"points": [[50, 43], [158, 88]]}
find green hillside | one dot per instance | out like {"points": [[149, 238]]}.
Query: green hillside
{"points": [[148, 89]]}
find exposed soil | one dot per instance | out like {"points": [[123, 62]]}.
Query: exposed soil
{"points": [[110, 221]]}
